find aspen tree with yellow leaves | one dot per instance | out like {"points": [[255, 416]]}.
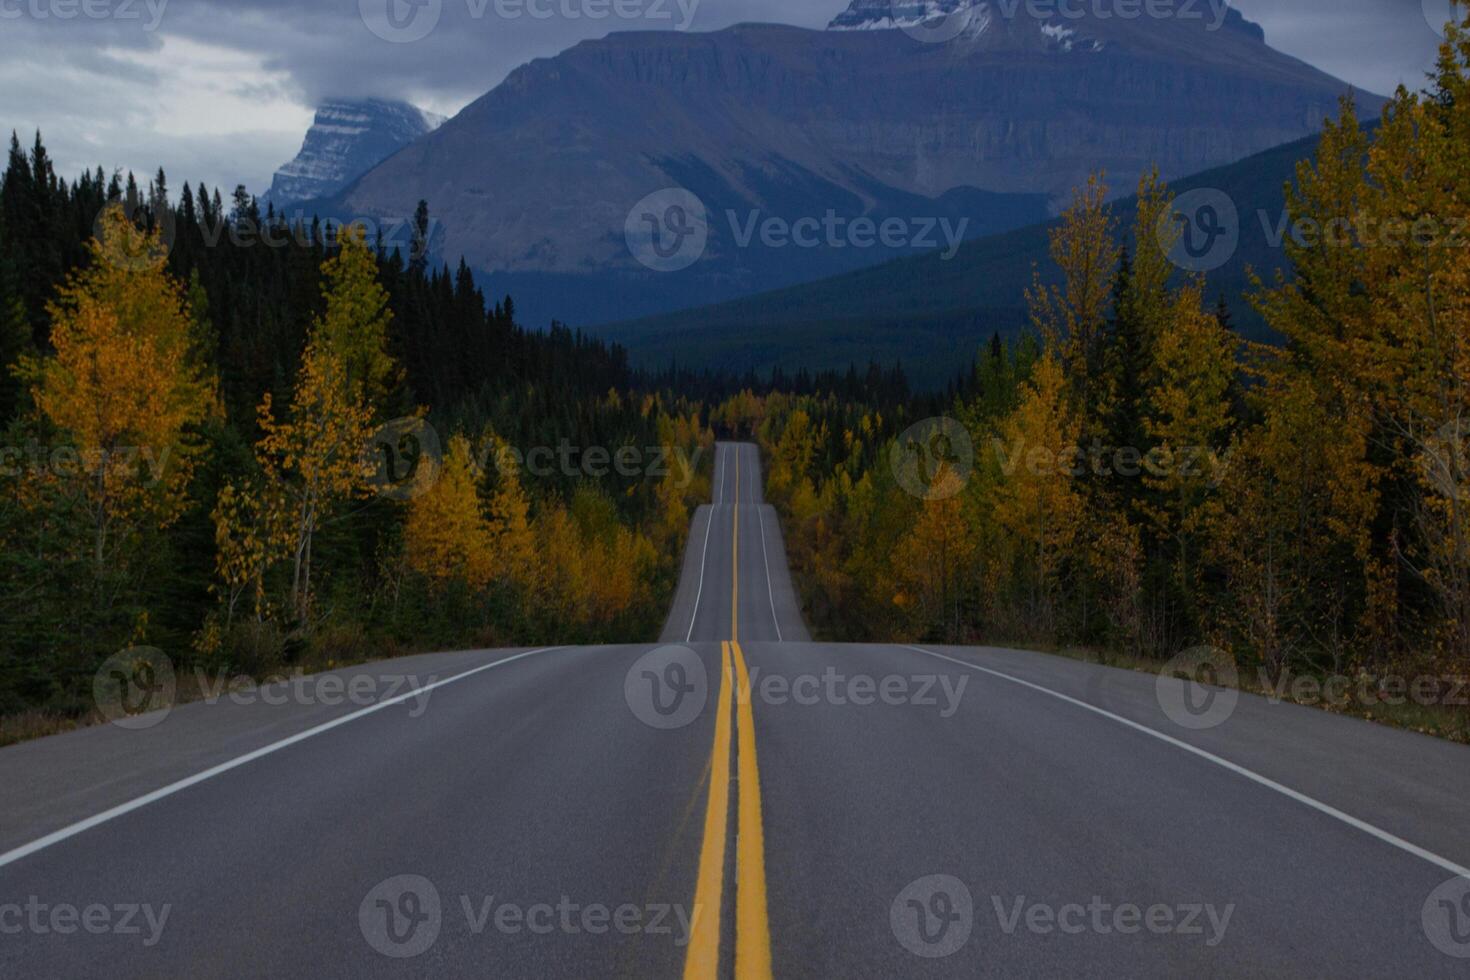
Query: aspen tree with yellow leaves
{"points": [[1072, 317], [126, 386], [446, 535], [191, 419], [1187, 418], [516, 555], [931, 560], [1417, 368], [354, 326], [1377, 321], [1037, 505], [249, 532], [792, 456], [1291, 539], [314, 459]]}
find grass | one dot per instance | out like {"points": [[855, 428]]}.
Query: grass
{"points": [[1447, 721], [190, 685]]}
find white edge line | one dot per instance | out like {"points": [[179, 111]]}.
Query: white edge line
{"points": [[1239, 770], [724, 469], [761, 511], [750, 483], [704, 554], [58, 836], [703, 559]]}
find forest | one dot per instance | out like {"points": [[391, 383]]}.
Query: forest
{"points": [[1132, 477], [262, 445]]}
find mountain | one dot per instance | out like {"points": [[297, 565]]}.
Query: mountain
{"points": [[346, 139], [544, 182], [933, 314]]}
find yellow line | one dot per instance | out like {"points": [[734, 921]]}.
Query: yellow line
{"points": [[702, 958], [735, 558], [752, 922]]}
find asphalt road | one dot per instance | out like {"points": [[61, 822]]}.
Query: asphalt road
{"points": [[735, 801]]}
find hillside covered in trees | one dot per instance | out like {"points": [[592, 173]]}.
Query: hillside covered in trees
{"points": [[262, 446], [1133, 476], [258, 446]]}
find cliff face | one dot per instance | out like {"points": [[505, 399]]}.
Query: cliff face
{"points": [[345, 139], [539, 174]]}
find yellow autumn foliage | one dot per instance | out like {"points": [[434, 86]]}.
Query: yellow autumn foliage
{"points": [[124, 386], [447, 536]]}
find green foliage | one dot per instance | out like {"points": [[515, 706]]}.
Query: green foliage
{"points": [[242, 292], [1302, 505]]}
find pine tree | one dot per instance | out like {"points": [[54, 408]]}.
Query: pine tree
{"points": [[418, 253], [15, 331], [1141, 308]]}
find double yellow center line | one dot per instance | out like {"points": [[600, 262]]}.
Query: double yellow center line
{"points": [[752, 923]]}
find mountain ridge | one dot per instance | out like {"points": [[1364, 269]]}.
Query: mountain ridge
{"points": [[536, 182], [933, 314]]}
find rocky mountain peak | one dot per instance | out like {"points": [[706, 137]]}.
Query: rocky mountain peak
{"points": [[1018, 23], [347, 138], [871, 15]]}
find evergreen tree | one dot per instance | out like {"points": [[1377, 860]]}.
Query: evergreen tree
{"points": [[419, 248], [15, 330]]}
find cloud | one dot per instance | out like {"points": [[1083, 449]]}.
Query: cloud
{"points": [[1374, 44]]}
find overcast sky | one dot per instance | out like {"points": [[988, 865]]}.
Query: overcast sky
{"points": [[222, 90]]}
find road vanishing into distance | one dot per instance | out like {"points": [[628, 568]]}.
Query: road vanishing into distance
{"points": [[734, 801]]}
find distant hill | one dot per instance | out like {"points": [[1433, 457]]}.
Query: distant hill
{"points": [[930, 313]]}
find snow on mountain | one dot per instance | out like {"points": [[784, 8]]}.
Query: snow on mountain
{"points": [[878, 15], [347, 138], [1024, 25]]}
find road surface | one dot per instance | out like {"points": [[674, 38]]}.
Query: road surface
{"points": [[734, 801]]}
